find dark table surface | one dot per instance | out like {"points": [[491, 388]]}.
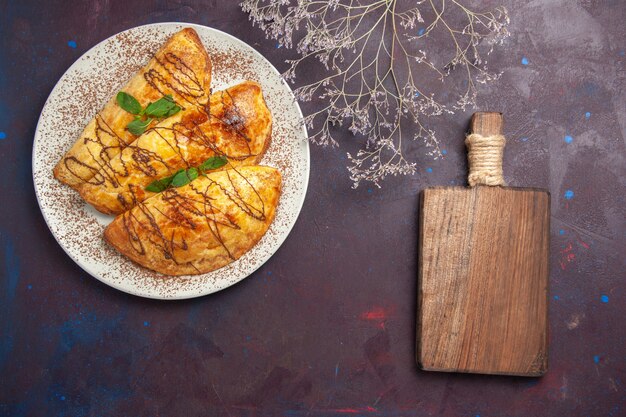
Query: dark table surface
{"points": [[327, 325]]}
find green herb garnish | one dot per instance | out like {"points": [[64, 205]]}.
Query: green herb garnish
{"points": [[213, 163], [172, 111], [185, 176], [163, 107], [128, 103], [162, 184], [138, 126]]}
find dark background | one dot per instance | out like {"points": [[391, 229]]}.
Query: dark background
{"points": [[326, 326]]}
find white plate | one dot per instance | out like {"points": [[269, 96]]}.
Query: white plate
{"points": [[84, 89]]}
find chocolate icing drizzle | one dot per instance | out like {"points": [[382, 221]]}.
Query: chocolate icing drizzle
{"points": [[186, 83], [185, 87], [188, 211], [203, 128]]}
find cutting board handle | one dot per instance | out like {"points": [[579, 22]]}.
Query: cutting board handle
{"points": [[485, 148]]}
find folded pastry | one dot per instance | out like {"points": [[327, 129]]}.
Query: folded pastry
{"points": [[236, 124], [201, 226], [181, 68]]}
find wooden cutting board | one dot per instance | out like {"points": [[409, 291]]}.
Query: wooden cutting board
{"points": [[483, 276]]}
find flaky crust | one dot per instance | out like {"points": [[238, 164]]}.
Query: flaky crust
{"points": [[236, 123], [181, 68], [202, 226]]}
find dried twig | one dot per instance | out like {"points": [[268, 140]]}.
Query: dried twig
{"points": [[379, 73]]}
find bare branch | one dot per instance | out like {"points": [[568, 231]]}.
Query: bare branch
{"points": [[380, 75]]}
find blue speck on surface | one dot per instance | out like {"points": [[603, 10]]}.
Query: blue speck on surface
{"points": [[429, 170], [248, 338], [532, 382], [569, 194], [146, 323], [369, 190], [417, 94], [561, 232], [269, 272], [3, 135], [62, 397], [71, 44], [587, 115], [604, 298], [568, 139], [524, 139], [278, 45], [596, 358], [420, 32], [444, 152], [556, 297], [622, 53], [30, 287], [525, 61]]}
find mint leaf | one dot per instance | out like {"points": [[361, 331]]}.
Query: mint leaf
{"points": [[185, 177], [138, 126], [213, 162], [128, 103], [159, 185], [173, 111], [162, 107], [163, 184]]}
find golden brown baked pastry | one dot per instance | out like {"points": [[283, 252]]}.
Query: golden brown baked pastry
{"points": [[201, 226], [181, 68], [238, 126]]}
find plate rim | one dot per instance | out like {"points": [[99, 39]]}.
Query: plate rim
{"points": [[279, 242]]}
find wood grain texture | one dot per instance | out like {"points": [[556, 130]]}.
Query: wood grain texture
{"points": [[483, 277], [487, 123]]}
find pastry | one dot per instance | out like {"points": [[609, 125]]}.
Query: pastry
{"points": [[201, 226], [180, 69], [235, 124]]}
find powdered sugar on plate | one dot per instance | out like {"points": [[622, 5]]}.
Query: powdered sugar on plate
{"points": [[84, 89]]}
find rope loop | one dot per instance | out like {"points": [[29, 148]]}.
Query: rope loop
{"points": [[484, 154]]}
